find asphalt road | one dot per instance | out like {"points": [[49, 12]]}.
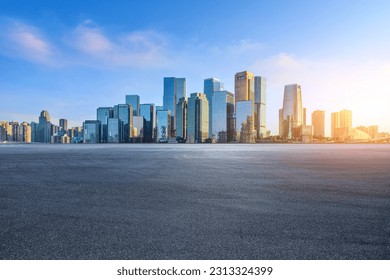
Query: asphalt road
{"points": [[163, 201]]}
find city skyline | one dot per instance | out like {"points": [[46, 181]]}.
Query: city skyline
{"points": [[71, 62]]}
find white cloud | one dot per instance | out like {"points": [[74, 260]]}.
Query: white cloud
{"points": [[140, 49], [28, 42]]}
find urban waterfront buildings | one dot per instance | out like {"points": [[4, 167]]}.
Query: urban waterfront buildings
{"points": [[124, 113], [181, 119], [44, 128], [197, 118], [114, 130]]}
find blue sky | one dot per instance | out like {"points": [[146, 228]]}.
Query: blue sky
{"points": [[69, 57]]}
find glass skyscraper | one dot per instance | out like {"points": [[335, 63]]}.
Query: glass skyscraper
{"points": [[138, 128], [223, 116], [114, 130], [102, 115], [148, 111], [134, 101], [260, 106], [91, 132], [245, 131], [318, 123], [210, 86], [124, 112], [174, 89], [181, 118], [197, 118], [292, 113], [45, 129], [163, 125]]}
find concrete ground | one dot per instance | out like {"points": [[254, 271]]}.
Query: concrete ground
{"points": [[162, 201]]}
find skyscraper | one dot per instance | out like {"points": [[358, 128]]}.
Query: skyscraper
{"points": [[181, 118], [25, 132], [292, 120], [138, 129], [342, 125], [210, 86], [148, 111], [45, 129], [198, 118], [174, 89], [260, 106], [103, 114], [335, 124], [63, 125], [114, 130], [134, 101], [91, 132], [124, 112], [223, 117], [244, 83], [163, 125], [318, 123]]}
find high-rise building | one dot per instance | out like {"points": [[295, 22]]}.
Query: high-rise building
{"points": [[148, 111], [114, 130], [45, 128], [134, 101], [34, 132], [223, 117], [341, 125], [25, 132], [318, 123], [124, 112], [163, 126], [91, 129], [210, 86], [244, 85], [260, 107], [174, 89], [3, 132], [292, 120], [63, 125], [103, 114], [138, 129], [15, 132], [181, 119], [245, 127], [197, 118]]}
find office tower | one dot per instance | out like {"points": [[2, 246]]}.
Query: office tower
{"points": [[304, 117], [25, 132], [260, 107], [210, 86], [174, 89], [318, 123], [341, 124], [335, 124], [45, 128], [138, 129], [280, 122], [245, 127], [345, 118], [181, 119], [244, 85], [197, 118], [134, 101], [103, 114], [163, 125], [34, 132], [292, 120], [114, 130], [124, 112], [63, 125], [3, 132], [373, 131], [148, 111], [15, 131], [223, 117], [92, 131]]}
